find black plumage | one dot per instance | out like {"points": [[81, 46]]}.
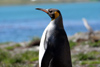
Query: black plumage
{"points": [[56, 46]]}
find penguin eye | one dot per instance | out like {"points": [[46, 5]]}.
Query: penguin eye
{"points": [[50, 11]]}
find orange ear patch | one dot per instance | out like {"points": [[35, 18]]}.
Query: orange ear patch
{"points": [[56, 14]]}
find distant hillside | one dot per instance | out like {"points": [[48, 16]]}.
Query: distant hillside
{"points": [[14, 2]]}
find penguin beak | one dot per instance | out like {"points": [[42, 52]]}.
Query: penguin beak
{"points": [[44, 10]]}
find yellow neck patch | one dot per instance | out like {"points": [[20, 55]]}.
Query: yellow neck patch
{"points": [[56, 14]]}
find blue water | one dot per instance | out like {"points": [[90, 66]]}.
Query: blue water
{"points": [[22, 22]]}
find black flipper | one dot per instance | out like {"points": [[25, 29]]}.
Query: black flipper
{"points": [[47, 58]]}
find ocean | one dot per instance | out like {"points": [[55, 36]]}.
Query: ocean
{"points": [[20, 23]]}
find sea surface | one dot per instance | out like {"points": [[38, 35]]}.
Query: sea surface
{"points": [[22, 22]]}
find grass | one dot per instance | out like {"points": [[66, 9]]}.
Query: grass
{"points": [[9, 48], [15, 65], [12, 47], [89, 62], [91, 44], [4, 55], [26, 59], [94, 44], [93, 55], [87, 56], [91, 59], [72, 44], [17, 45], [30, 56], [18, 60]]}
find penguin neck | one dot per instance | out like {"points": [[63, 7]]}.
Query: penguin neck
{"points": [[58, 22]]}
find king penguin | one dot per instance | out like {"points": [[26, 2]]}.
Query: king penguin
{"points": [[54, 48]]}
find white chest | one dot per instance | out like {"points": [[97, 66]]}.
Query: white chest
{"points": [[49, 28]]}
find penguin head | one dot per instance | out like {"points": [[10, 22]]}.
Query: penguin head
{"points": [[53, 13]]}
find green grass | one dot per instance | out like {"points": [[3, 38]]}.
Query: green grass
{"points": [[89, 62], [22, 59], [91, 58], [16, 65], [17, 45], [87, 56], [30, 56], [9, 48], [12, 47], [4, 55], [91, 65], [72, 44], [94, 44]]}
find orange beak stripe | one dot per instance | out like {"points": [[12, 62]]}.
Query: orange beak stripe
{"points": [[42, 10]]}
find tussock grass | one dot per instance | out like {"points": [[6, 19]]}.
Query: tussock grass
{"points": [[25, 59]]}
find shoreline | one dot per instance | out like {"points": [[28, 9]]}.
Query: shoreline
{"points": [[42, 2], [82, 35]]}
